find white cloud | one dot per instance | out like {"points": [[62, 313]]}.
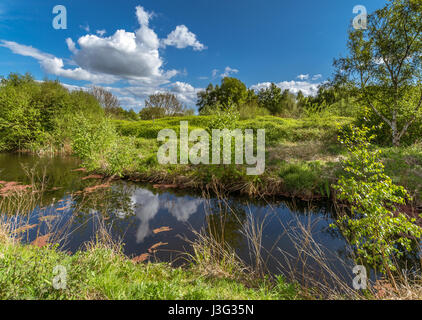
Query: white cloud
{"points": [[214, 73], [134, 96], [182, 87], [183, 208], [147, 205], [85, 27], [27, 51], [129, 57], [306, 85], [229, 71], [52, 65], [101, 33], [143, 16], [125, 54], [307, 88], [71, 45], [72, 87], [182, 38], [303, 77], [185, 92]]}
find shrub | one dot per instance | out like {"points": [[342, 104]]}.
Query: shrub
{"points": [[376, 226], [100, 146]]}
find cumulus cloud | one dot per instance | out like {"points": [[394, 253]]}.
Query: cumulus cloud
{"points": [[129, 57], [229, 71], [185, 92], [71, 45], [53, 65], [182, 38], [307, 88]]}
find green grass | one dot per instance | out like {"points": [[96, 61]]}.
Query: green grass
{"points": [[26, 272], [302, 159], [404, 166], [301, 155], [277, 129]]}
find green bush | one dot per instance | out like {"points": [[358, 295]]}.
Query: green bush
{"points": [[35, 115], [100, 146], [376, 227]]}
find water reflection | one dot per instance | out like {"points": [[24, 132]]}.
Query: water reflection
{"points": [[132, 211], [182, 208]]}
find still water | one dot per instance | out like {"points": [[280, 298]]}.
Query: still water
{"points": [[144, 217]]}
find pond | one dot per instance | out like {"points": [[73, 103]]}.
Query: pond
{"points": [[161, 222]]}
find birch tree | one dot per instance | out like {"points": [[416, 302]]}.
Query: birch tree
{"points": [[385, 64]]}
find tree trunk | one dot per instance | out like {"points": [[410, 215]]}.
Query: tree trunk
{"points": [[395, 133], [396, 139]]}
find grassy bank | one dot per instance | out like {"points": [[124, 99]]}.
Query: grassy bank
{"points": [[101, 272], [301, 156]]}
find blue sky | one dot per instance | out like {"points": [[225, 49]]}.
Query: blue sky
{"points": [[135, 48]]}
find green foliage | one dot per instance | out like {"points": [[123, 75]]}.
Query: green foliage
{"points": [[151, 112], [20, 118], [32, 113], [160, 105], [302, 177], [252, 110], [279, 103], [330, 100], [149, 129], [224, 119], [404, 166], [368, 117], [231, 92], [101, 148], [376, 226], [385, 65], [101, 273]]}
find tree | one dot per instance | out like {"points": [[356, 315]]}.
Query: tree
{"points": [[36, 115], [232, 91], [107, 100], [208, 97], [132, 115], [271, 98], [150, 113], [167, 102], [385, 64], [279, 102]]}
